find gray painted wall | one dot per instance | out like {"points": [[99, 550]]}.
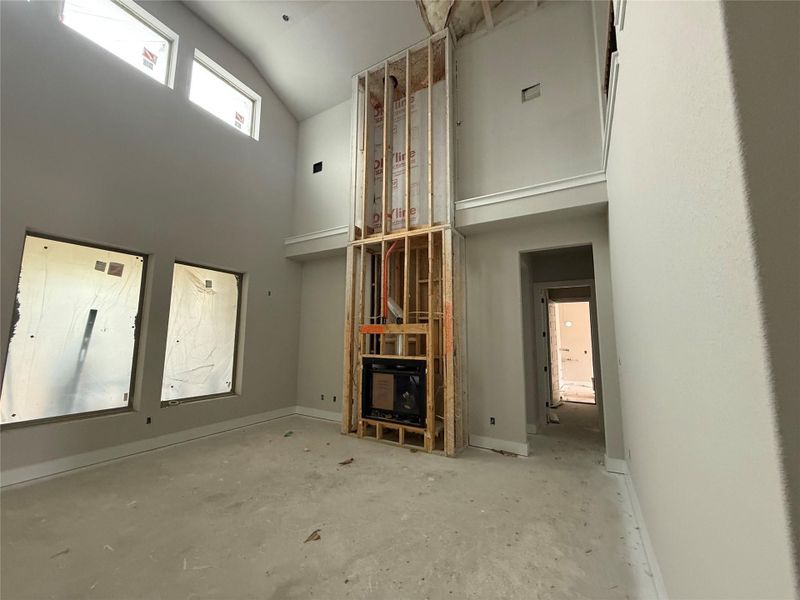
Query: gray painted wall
{"points": [[688, 222], [495, 334], [503, 144], [321, 200], [767, 104], [321, 357], [93, 150]]}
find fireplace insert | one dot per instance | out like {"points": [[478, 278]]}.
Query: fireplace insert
{"points": [[394, 390]]}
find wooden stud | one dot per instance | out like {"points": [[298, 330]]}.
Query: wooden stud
{"points": [[369, 161], [387, 150], [360, 347], [447, 321], [347, 396], [406, 293], [408, 142], [431, 374], [430, 133], [450, 132]]}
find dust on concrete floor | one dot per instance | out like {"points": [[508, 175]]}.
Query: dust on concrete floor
{"points": [[227, 517]]}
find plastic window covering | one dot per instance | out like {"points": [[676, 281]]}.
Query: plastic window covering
{"points": [[74, 333], [201, 335], [109, 25]]}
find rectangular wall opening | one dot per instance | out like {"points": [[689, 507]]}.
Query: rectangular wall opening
{"points": [[74, 334]]}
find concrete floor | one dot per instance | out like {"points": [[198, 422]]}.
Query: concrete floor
{"points": [[227, 516]]}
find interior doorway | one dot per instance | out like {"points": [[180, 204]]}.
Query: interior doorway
{"points": [[563, 378], [571, 355], [567, 357]]}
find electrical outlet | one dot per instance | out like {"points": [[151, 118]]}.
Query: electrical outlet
{"points": [[149, 420], [491, 420], [334, 398], [322, 397]]}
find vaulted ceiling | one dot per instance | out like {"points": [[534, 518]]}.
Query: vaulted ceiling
{"points": [[310, 59], [308, 50]]}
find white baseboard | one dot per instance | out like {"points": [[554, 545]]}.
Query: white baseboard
{"points": [[78, 461], [658, 579], [488, 443], [616, 465], [532, 428], [328, 415]]}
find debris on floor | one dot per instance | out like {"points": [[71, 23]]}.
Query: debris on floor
{"points": [[288, 434], [504, 452], [64, 551], [347, 462], [315, 536], [552, 417]]}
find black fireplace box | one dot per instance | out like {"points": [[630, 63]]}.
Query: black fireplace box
{"points": [[394, 390]]}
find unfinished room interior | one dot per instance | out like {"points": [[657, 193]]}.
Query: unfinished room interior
{"points": [[400, 299]]}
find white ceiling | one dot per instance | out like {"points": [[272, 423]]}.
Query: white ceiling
{"points": [[309, 60]]}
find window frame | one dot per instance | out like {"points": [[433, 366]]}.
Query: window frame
{"points": [[234, 391], [130, 408], [226, 76], [147, 19]]}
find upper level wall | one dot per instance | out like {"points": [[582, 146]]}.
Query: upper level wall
{"points": [[93, 150], [501, 143], [504, 144], [321, 200]]}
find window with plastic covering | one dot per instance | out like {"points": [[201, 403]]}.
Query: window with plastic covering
{"points": [[200, 359], [74, 332]]}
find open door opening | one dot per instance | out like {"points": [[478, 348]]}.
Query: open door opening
{"points": [[571, 362], [564, 384]]}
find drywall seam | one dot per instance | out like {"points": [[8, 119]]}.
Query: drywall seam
{"points": [[487, 443], [87, 459], [532, 190], [616, 465], [316, 235], [317, 413], [650, 553]]}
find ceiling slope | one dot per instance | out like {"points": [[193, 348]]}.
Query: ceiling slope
{"points": [[310, 59]]}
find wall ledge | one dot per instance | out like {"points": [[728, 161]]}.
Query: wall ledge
{"points": [[316, 244], [532, 190], [316, 235], [487, 443]]}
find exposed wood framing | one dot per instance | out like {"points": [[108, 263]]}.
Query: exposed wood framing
{"points": [[403, 290]]}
